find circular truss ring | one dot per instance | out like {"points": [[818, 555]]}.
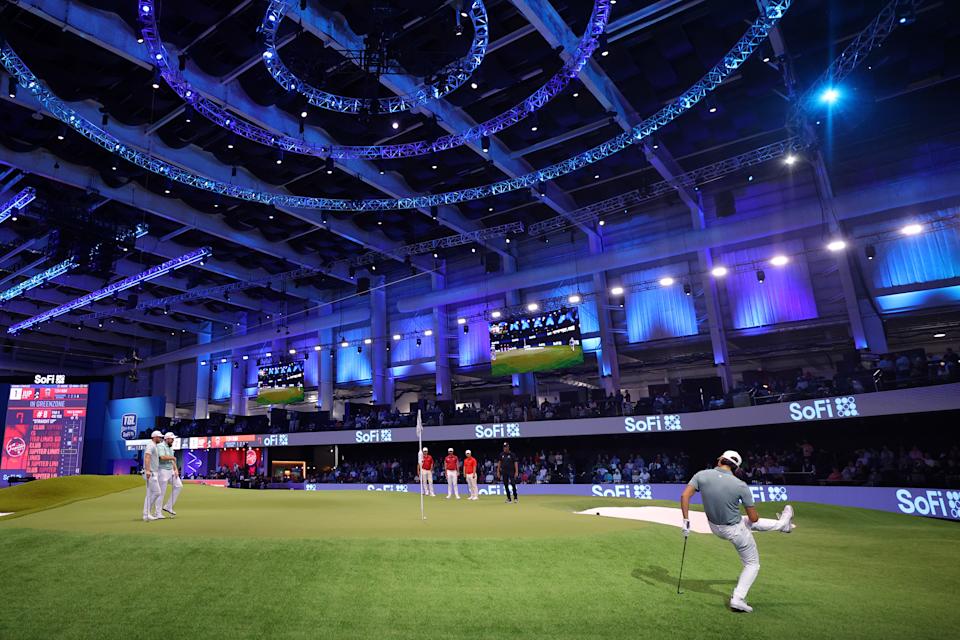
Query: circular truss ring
{"points": [[451, 77]]}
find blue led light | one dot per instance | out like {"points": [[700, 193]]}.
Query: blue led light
{"points": [[830, 95], [535, 101], [19, 201], [755, 35]]}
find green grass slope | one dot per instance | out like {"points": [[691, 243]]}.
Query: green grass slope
{"points": [[23, 499], [247, 564]]}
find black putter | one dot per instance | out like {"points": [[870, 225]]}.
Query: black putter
{"points": [[682, 557]]}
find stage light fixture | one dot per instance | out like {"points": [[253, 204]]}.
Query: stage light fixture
{"points": [[485, 144], [397, 337], [779, 260], [11, 88], [533, 306], [616, 291], [829, 95], [344, 343], [789, 159], [474, 85], [269, 354], [574, 298], [761, 276], [870, 251], [602, 222], [666, 281], [461, 321], [939, 335], [328, 165], [428, 332], [911, 229], [292, 352], [246, 358], [317, 347], [495, 315], [718, 272], [359, 348], [836, 245], [223, 361], [203, 363], [368, 341], [466, 328]]}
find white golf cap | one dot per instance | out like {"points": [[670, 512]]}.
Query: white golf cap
{"points": [[732, 456], [450, 450], [156, 434], [424, 449], [169, 435], [468, 451]]}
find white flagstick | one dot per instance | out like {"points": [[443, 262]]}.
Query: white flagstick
{"points": [[420, 460]]}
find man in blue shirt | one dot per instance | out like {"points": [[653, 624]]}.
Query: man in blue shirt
{"points": [[723, 493]]}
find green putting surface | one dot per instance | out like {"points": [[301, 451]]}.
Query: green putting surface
{"points": [[356, 564], [546, 358]]}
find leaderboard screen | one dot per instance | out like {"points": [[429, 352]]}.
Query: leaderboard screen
{"points": [[43, 432]]}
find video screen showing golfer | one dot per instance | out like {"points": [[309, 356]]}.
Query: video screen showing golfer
{"points": [[723, 493]]}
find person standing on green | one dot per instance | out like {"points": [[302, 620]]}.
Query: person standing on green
{"points": [[151, 467], [169, 474]]}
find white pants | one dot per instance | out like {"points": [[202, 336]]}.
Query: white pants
{"points": [[741, 536], [153, 494], [472, 484], [452, 487], [167, 476], [426, 482]]}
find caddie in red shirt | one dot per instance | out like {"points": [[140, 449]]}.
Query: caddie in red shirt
{"points": [[452, 464], [425, 469], [470, 471]]}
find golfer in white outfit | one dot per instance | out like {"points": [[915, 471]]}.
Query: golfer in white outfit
{"points": [[723, 493], [169, 474], [151, 466]]}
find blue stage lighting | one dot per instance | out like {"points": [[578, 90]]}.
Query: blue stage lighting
{"points": [[830, 95]]}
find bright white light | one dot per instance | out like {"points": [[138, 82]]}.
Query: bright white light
{"points": [[666, 282], [223, 361], [495, 314], [395, 124], [836, 245], [396, 337], [790, 159], [317, 347], [246, 357], [344, 344], [368, 341], [461, 321], [574, 298], [779, 261], [533, 306], [267, 55], [303, 114], [830, 95], [939, 335], [719, 272], [617, 291], [474, 85], [713, 109], [601, 223], [911, 229], [269, 355], [428, 332], [292, 352]]}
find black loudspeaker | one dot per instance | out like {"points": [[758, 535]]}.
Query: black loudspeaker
{"points": [[132, 301], [491, 262], [725, 204], [363, 285]]}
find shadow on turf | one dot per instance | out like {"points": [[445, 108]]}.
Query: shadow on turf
{"points": [[653, 575]]}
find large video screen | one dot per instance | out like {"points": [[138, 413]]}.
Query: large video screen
{"points": [[280, 383], [542, 342], [43, 433]]}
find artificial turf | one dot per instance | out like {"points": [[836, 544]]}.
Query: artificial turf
{"points": [[286, 564]]}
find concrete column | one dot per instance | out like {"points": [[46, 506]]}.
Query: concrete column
{"points": [[238, 375], [609, 364], [326, 362], [711, 297], [521, 383], [378, 332], [202, 402], [440, 347]]}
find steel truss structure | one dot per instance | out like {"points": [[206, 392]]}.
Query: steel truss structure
{"points": [[870, 38], [447, 242], [197, 255], [18, 202], [591, 213], [755, 35], [452, 76], [220, 116]]}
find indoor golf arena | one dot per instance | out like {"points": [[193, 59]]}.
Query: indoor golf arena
{"points": [[493, 319]]}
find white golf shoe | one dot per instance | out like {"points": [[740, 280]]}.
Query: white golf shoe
{"points": [[159, 516], [740, 605], [148, 518], [786, 519]]}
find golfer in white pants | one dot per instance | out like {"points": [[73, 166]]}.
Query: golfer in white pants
{"points": [[470, 472], [426, 473], [151, 466], [723, 493], [169, 474], [451, 465]]}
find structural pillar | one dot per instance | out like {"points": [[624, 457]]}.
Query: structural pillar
{"points": [[522, 384], [171, 385], [238, 375], [326, 363], [607, 360], [202, 401], [378, 333], [440, 347]]}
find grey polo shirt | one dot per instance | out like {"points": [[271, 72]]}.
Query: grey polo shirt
{"points": [[722, 495]]}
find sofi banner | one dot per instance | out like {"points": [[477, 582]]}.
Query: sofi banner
{"points": [[932, 503], [935, 398]]}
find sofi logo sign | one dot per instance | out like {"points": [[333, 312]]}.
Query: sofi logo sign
{"points": [[509, 430], [824, 408], [636, 491], [652, 423], [768, 494], [374, 435], [401, 488], [277, 440], [943, 504]]}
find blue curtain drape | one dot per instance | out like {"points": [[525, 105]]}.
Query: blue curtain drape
{"points": [[655, 312], [406, 350], [353, 366], [930, 256]]}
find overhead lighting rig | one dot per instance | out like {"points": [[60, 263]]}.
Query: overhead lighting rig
{"points": [[17, 202]]}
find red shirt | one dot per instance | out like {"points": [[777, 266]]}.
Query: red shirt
{"points": [[427, 464], [451, 462], [470, 465]]}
